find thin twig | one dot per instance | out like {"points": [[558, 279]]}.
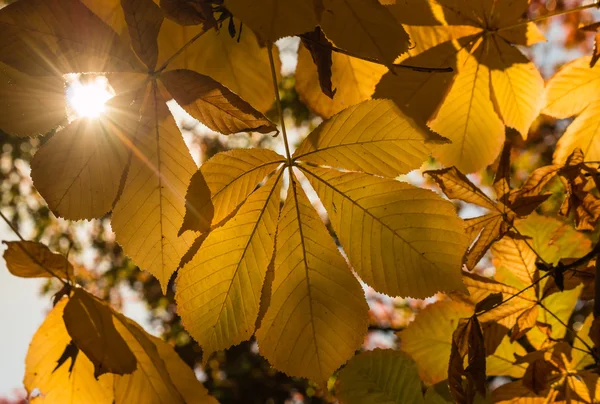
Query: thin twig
{"points": [[590, 349], [515, 295], [372, 60], [31, 257]]}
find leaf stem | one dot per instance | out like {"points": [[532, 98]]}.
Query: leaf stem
{"points": [[372, 60], [279, 107], [31, 257], [550, 15]]}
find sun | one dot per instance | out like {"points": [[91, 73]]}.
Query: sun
{"points": [[87, 96]]}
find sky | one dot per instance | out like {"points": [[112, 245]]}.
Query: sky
{"points": [[22, 310]]}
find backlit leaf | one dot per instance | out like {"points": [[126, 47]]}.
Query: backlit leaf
{"points": [[89, 323], [23, 259], [401, 240], [271, 19], [230, 177], [70, 382], [516, 84], [582, 133], [364, 27], [78, 170], [379, 376], [149, 213], [428, 338], [317, 318], [214, 105], [354, 81], [356, 138], [467, 117], [22, 117], [502, 361], [144, 19], [54, 37], [243, 67], [218, 292]]}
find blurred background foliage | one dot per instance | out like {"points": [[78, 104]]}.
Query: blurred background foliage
{"points": [[240, 374]]}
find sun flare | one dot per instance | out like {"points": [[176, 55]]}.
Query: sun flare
{"points": [[87, 98]]}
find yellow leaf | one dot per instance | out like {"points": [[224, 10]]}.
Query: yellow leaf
{"points": [[356, 138], [89, 323], [149, 213], [553, 239], [230, 177], [456, 185], [144, 18], [318, 316], [517, 393], [353, 79], [582, 133], [186, 12], [241, 67], [505, 314], [184, 378], [218, 292], [506, 13], [526, 35], [364, 27], [572, 89], [484, 231], [35, 34], [22, 117], [580, 358], [69, 382], [272, 19], [213, 104], [467, 117], [418, 94], [379, 376], [516, 84], [401, 240], [28, 259], [79, 169], [561, 305], [514, 254], [428, 338], [502, 361]]}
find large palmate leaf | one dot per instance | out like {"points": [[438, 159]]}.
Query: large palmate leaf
{"points": [[61, 372], [288, 277], [574, 91], [493, 86], [132, 160], [380, 376]]}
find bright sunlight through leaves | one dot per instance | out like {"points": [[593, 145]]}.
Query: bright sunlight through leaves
{"points": [[87, 96]]}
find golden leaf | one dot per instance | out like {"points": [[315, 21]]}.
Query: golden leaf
{"points": [[143, 18], [355, 139], [78, 171], [364, 27], [218, 291], [89, 323], [29, 259], [271, 20], [318, 317], [379, 376], [401, 240], [354, 81], [18, 114], [150, 211], [428, 338], [213, 104]]}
